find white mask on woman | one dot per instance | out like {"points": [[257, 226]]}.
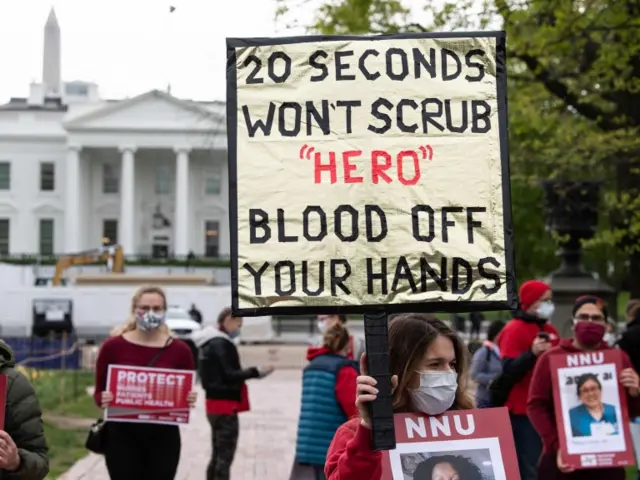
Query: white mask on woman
{"points": [[436, 393]]}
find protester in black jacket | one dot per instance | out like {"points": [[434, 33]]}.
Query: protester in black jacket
{"points": [[223, 380], [630, 340]]}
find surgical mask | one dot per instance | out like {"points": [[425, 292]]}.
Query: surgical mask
{"points": [[589, 334], [436, 393], [234, 334], [149, 321], [322, 326], [545, 310]]}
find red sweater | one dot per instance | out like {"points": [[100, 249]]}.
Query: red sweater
{"points": [[118, 351], [514, 340], [540, 406], [345, 383], [350, 456]]}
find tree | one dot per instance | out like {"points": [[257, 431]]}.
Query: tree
{"points": [[574, 93]]}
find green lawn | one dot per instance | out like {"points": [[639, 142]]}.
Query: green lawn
{"points": [[67, 409], [632, 473]]}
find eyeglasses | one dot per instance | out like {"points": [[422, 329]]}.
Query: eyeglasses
{"points": [[585, 317]]}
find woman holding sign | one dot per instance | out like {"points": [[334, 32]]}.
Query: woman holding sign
{"points": [[142, 450], [428, 367], [591, 417]]}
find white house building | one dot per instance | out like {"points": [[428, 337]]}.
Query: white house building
{"points": [[148, 172]]}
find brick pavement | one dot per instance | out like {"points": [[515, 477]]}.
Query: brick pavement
{"points": [[267, 436]]}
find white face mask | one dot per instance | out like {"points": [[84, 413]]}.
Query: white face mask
{"points": [[322, 326], [436, 393], [546, 309]]}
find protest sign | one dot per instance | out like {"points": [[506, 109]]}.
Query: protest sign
{"points": [[149, 395], [369, 172], [466, 444], [591, 409]]}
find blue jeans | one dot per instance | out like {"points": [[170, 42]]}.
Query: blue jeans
{"points": [[528, 446]]}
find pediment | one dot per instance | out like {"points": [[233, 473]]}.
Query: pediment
{"points": [[212, 210], [152, 111], [47, 209], [7, 207], [110, 208]]}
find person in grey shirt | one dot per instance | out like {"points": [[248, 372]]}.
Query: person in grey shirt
{"points": [[356, 343]]}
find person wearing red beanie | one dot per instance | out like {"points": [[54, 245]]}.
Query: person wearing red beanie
{"points": [[525, 337]]}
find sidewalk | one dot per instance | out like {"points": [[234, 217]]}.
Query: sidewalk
{"points": [[267, 436]]}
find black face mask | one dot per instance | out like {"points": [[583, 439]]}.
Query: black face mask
{"points": [[636, 318]]}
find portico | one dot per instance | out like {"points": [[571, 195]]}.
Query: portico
{"points": [[156, 167]]}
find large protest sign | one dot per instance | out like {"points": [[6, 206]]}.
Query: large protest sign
{"points": [[591, 409], [369, 172], [465, 444]]}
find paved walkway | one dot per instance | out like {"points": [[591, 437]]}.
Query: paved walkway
{"points": [[267, 436]]}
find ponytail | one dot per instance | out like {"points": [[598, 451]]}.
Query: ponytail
{"points": [[336, 338]]}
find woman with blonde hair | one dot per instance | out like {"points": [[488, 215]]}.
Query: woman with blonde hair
{"points": [[428, 364], [142, 450]]}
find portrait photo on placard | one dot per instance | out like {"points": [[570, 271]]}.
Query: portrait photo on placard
{"points": [[473, 459], [590, 401]]}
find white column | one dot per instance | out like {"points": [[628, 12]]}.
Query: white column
{"points": [[127, 201], [72, 201], [181, 223]]}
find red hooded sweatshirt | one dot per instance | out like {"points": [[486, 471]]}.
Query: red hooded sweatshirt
{"points": [[345, 383], [350, 456], [540, 407]]}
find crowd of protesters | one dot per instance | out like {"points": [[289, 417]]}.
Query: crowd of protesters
{"points": [[430, 374]]}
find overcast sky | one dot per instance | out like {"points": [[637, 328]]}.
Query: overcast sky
{"points": [[130, 46]]}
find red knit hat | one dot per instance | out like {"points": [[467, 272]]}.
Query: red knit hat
{"points": [[531, 291]]}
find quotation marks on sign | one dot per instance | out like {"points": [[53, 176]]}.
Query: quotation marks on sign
{"points": [[383, 166]]}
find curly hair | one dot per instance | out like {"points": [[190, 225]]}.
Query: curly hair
{"points": [[465, 468]]}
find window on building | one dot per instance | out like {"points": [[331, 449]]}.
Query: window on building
{"points": [[77, 89], [213, 180], [109, 231], [5, 176], [211, 238], [163, 180], [5, 232], [47, 177], [47, 233], [110, 178]]}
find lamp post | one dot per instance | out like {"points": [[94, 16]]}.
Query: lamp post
{"points": [[572, 214]]}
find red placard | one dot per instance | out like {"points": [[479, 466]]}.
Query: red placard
{"points": [[3, 399], [591, 409], [465, 442], [149, 395]]}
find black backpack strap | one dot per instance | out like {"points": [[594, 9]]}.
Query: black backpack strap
{"points": [[159, 354]]}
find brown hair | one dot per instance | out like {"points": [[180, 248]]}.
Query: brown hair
{"points": [[336, 338], [222, 316], [130, 324], [409, 338], [633, 307]]}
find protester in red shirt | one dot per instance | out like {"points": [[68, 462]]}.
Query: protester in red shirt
{"points": [[589, 317], [428, 364], [142, 450], [328, 400], [524, 338]]}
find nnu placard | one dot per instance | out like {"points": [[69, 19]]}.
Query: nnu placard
{"points": [[369, 172]]}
